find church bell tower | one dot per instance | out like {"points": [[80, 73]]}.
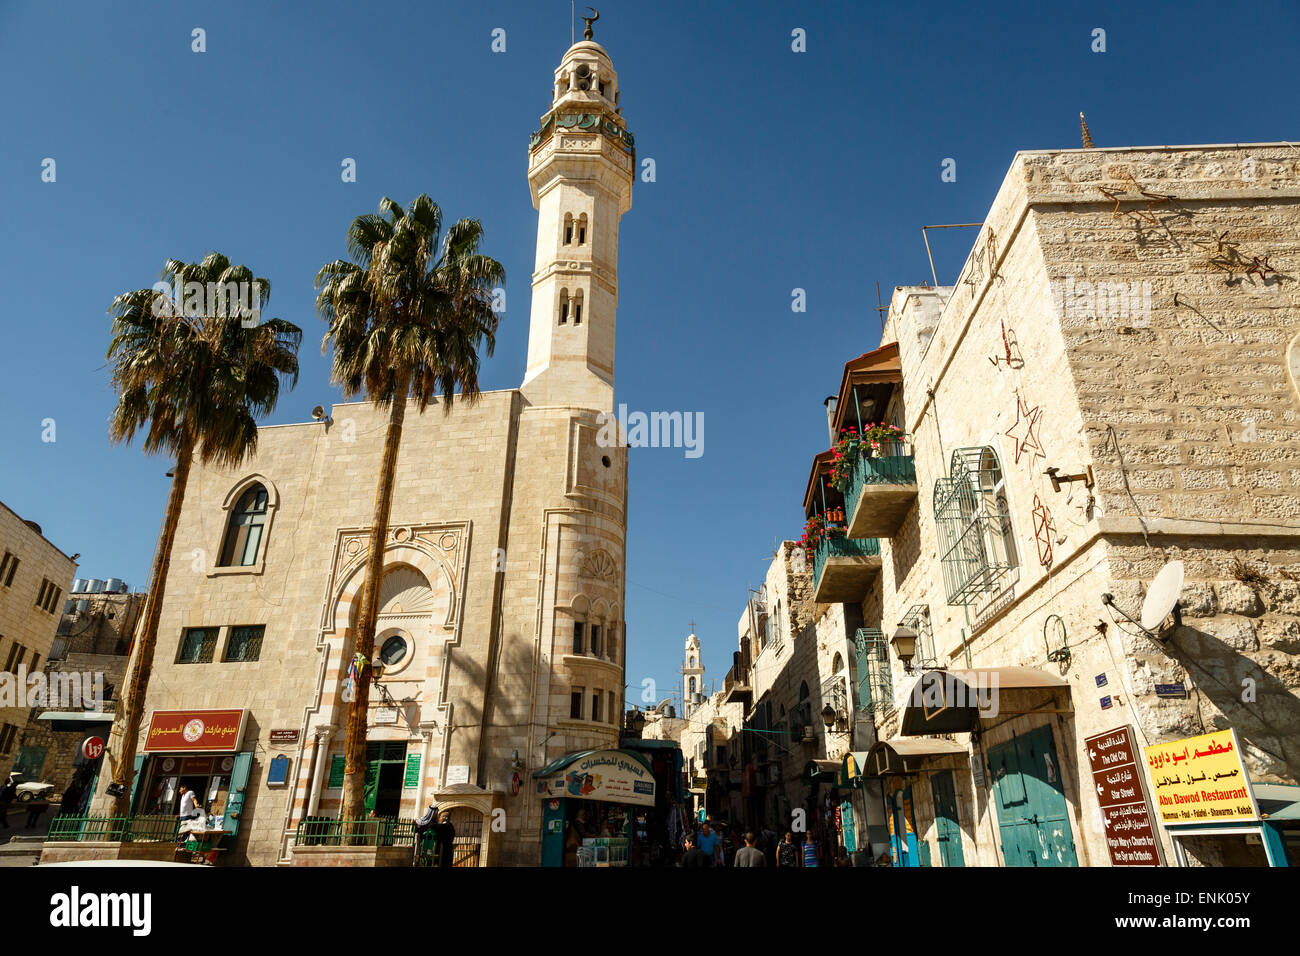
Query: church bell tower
{"points": [[581, 164]]}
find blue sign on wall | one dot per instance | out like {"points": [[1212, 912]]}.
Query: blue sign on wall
{"points": [[1101, 680], [279, 770], [1171, 690], [1105, 703]]}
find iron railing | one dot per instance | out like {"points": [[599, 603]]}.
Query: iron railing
{"points": [[142, 829], [875, 680], [841, 547], [893, 465], [975, 540], [373, 831]]}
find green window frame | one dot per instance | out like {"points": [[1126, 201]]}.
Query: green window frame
{"points": [[245, 529]]}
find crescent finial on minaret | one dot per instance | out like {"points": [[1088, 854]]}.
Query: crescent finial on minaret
{"points": [[595, 15]]}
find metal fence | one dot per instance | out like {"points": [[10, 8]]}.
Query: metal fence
{"points": [[373, 831], [142, 829]]}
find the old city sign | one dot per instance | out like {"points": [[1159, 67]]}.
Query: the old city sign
{"points": [[194, 731]]}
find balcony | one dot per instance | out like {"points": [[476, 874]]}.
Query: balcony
{"points": [[843, 569], [736, 687], [881, 491]]}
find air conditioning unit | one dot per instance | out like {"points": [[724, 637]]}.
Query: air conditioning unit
{"points": [[808, 735]]}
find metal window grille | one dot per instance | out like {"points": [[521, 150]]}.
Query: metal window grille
{"points": [[875, 682], [198, 645], [918, 619], [245, 643], [834, 694], [974, 526]]}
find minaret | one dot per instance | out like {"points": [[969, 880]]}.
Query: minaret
{"points": [[581, 165], [692, 675]]}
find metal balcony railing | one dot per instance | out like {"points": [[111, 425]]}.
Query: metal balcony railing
{"points": [[375, 831], [841, 547]]}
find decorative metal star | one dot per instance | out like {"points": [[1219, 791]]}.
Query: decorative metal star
{"points": [[1043, 532], [1031, 417]]}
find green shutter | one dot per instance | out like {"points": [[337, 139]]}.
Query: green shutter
{"points": [[338, 765], [371, 785], [238, 784]]}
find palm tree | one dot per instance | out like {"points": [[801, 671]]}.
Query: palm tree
{"points": [[193, 379], [407, 316]]}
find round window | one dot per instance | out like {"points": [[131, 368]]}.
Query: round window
{"points": [[393, 651]]}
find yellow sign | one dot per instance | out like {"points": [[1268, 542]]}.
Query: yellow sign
{"points": [[1201, 780]]}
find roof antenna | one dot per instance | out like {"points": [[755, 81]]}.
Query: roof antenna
{"points": [[1087, 137], [880, 309], [570, 22]]}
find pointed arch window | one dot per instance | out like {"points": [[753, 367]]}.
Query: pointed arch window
{"points": [[973, 518], [564, 306], [577, 307], [245, 529], [582, 229], [568, 228]]}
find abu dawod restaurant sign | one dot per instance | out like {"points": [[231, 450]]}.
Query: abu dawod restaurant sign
{"points": [[194, 731], [604, 775]]}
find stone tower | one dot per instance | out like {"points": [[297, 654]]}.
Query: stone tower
{"points": [[692, 675], [580, 170]]}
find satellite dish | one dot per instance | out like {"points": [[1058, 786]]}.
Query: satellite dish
{"points": [[1162, 595]]}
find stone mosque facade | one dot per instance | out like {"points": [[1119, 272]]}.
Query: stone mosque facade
{"points": [[501, 624]]}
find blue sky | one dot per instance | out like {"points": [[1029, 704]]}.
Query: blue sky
{"points": [[775, 170]]}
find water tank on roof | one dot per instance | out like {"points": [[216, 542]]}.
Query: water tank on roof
{"points": [[83, 606], [94, 586], [114, 586], [78, 585]]}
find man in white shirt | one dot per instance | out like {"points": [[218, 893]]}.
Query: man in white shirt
{"points": [[189, 805]]}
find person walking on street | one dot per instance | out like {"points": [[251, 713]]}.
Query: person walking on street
{"points": [[809, 851], [694, 857], [787, 851], [750, 855], [709, 844], [35, 810]]}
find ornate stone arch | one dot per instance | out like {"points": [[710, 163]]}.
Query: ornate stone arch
{"points": [[346, 603]]}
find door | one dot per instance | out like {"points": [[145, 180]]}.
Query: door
{"points": [[945, 819], [902, 829], [1033, 818], [385, 771], [846, 824]]}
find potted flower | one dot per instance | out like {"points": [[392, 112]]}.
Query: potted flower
{"points": [[875, 435], [844, 455]]}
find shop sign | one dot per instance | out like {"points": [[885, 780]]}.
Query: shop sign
{"points": [[1125, 815], [194, 731], [92, 748], [1201, 780], [604, 775]]}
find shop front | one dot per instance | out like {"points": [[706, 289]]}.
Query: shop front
{"points": [[902, 766], [1010, 713], [200, 751], [1214, 814], [596, 808]]}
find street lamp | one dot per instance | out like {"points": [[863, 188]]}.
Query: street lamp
{"points": [[904, 644], [828, 716]]}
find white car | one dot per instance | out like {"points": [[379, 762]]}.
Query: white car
{"points": [[32, 790]]}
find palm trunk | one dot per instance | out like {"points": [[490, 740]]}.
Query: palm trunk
{"points": [[354, 747], [137, 683]]}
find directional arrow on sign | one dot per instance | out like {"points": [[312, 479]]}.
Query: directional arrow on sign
{"points": [[1100, 788], [1092, 753]]}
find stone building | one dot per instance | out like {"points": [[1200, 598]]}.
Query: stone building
{"points": [[500, 629], [1108, 387], [88, 655], [34, 576]]}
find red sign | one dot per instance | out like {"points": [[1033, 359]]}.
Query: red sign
{"points": [[92, 748], [194, 731], [1125, 814]]}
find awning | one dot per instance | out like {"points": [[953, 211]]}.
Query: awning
{"points": [[904, 755], [954, 702], [1278, 802], [824, 771], [75, 719], [852, 768], [614, 776]]}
